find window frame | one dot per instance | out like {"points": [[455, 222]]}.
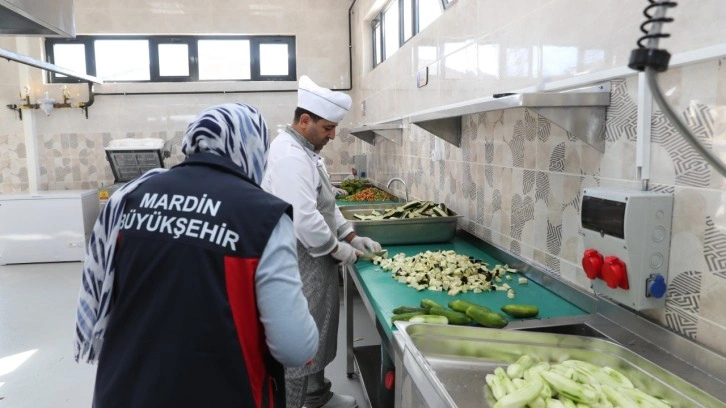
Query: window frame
{"points": [[378, 23], [447, 3], [191, 41]]}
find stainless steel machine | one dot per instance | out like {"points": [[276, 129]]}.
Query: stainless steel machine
{"points": [[130, 158]]}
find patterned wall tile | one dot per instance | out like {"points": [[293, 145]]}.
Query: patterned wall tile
{"points": [[714, 249], [622, 114], [682, 303], [690, 168]]}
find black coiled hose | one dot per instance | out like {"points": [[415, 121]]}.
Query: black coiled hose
{"points": [[649, 56], [652, 19], [653, 60]]}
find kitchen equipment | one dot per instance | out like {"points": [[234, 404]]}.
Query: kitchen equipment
{"points": [[130, 158], [445, 366], [627, 235], [48, 226], [402, 231], [37, 18]]}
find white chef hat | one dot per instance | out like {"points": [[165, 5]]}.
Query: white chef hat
{"points": [[329, 105]]}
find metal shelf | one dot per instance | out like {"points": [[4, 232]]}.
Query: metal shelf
{"points": [[392, 131], [580, 111], [24, 59]]}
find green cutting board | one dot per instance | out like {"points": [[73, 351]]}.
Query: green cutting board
{"points": [[385, 293]]}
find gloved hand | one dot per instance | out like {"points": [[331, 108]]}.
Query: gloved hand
{"points": [[365, 244], [346, 254], [339, 192]]}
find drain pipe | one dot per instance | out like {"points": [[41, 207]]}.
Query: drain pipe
{"points": [[350, 49]]}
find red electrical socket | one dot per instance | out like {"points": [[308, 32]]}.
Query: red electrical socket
{"points": [[592, 263], [614, 273]]}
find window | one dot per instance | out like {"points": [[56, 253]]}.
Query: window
{"points": [[407, 11], [122, 60], [224, 60], [173, 60], [377, 44], [399, 21], [429, 10], [71, 56], [170, 59], [391, 30]]}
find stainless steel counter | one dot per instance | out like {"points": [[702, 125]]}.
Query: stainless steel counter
{"points": [[445, 366], [699, 366]]}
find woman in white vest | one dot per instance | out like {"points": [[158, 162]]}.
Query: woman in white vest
{"points": [[295, 173]]}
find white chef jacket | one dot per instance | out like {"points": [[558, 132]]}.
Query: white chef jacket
{"points": [[292, 175]]}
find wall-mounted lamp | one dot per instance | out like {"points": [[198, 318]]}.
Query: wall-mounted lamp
{"points": [[48, 104]]}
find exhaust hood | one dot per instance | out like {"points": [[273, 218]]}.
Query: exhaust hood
{"points": [[37, 18]]}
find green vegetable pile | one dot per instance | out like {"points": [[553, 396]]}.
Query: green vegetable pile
{"points": [[370, 194], [412, 209], [353, 186], [461, 312], [569, 384]]}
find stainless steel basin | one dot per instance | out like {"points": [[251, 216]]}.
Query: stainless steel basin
{"points": [[425, 230], [578, 329], [445, 366]]}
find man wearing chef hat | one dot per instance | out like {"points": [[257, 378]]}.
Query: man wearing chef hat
{"points": [[325, 239]]}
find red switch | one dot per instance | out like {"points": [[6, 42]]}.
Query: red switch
{"points": [[390, 380], [614, 273], [592, 263]]}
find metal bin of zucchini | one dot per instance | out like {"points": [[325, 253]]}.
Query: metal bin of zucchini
{"points": [[416, 222], [462, 312]]}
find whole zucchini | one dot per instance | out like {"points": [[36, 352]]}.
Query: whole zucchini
{"points": [[453, 316], [408, 309], [520, 310], [428, 318], [460, 305], [428, 304], [487, 319], [405, 316]]}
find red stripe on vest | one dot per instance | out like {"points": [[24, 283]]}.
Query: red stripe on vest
{"points": [[240, 280]]}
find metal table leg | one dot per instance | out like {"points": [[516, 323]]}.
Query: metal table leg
{"points": [[348, 290]]}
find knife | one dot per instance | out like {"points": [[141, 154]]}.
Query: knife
{"points": [[368, 256]]}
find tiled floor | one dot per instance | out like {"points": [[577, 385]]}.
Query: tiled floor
{"points": [[37, 314]]}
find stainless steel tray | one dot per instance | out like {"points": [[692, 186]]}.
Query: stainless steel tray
{"points": [[405, 231], [446, 365]]}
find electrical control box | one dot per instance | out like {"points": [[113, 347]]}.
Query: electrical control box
{"points": [[627, 236]]}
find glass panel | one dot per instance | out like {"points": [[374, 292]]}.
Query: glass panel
{"points": [[224, 59], [273, 59], [70, 56], [122, 60], [391, 29], [173, 60], [407, 19], [428, 11]]}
